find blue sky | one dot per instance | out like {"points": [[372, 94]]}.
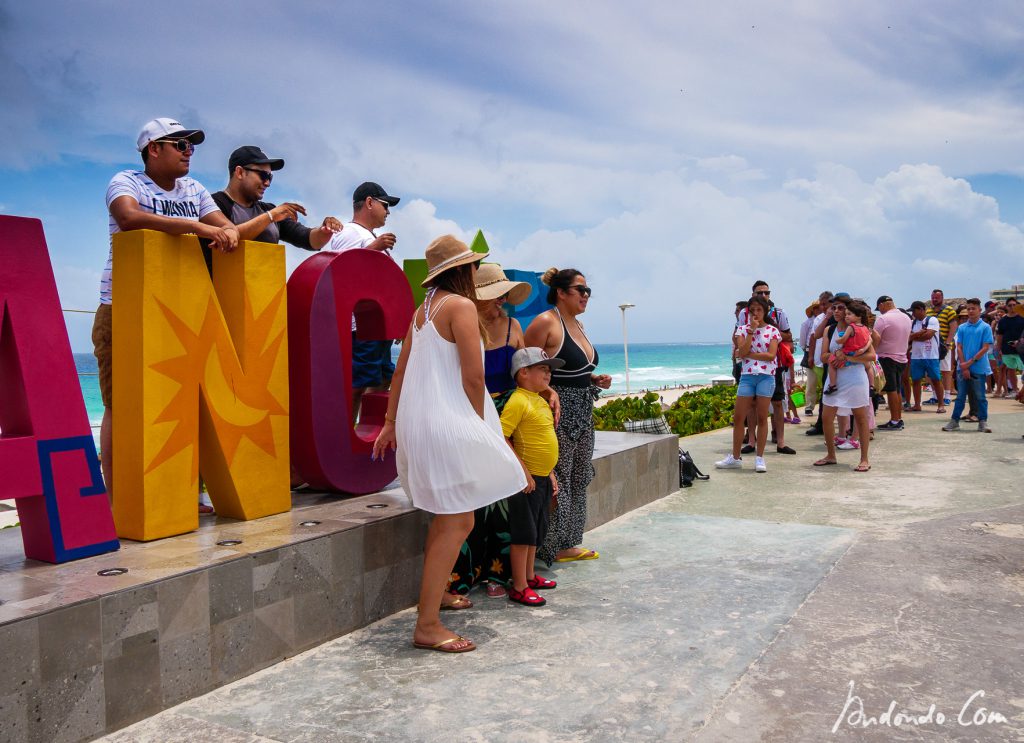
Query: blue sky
{"points": [[673, 152]]}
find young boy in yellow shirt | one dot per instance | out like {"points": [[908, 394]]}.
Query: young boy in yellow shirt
{"points": [[527, 423]]}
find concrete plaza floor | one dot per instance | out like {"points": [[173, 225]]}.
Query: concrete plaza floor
{"points": [[797, 605]]}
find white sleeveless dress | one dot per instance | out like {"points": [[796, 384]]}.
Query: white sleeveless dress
{"points": [[449, 460]]}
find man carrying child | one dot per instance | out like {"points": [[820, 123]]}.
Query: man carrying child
{"points": [[527, 423]]}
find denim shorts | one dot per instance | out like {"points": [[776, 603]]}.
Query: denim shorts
{"points": [[756, 385]]}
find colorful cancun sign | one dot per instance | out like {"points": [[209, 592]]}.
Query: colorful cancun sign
{"points": [[236, 378]]}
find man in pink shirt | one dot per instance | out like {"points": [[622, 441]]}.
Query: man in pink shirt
{"points": [[893, 328]]}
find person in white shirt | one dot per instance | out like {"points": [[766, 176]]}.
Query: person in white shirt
{"points": [[924, 354], [372, 367], [163, 198]]}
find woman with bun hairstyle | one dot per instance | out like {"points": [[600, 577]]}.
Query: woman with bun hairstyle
{"points": [[452, 457], [561, 335]]}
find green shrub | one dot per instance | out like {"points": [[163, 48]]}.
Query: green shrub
{"points": [[613, 416], [702, 410]]}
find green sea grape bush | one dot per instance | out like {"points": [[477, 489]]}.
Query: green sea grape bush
{"points": [[702, 410], [694, 412], [613, 416]]}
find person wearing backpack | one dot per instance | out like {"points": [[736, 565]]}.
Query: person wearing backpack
{"points": [[924, 355]]}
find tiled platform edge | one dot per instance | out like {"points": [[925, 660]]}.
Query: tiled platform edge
{"points": [[84, 656]]}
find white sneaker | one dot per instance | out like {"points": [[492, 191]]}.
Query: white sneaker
{"points": [[759, 465], [848, 444], [729, 463]]}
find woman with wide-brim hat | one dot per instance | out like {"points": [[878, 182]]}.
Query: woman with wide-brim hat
{"points": [[485, 556], [451, 455]]}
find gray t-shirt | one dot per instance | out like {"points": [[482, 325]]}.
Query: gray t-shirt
{"points": [[241, 214]]}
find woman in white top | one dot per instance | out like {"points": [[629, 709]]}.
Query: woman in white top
{"points": [[451, 455], [854, 392]]}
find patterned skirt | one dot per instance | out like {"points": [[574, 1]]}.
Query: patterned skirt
{"points": [[485, 553], [574, 471]]}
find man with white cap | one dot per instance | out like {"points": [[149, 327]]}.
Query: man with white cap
{"points": [[160, 197]]}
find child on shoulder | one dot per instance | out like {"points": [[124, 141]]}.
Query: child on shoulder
{"points": [[528, 425], [855, 338]]}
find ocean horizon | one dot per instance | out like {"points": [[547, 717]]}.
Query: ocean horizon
{"points": [[651, 366]]}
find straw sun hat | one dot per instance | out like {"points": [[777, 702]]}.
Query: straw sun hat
{"points": [[491, 283], [447, 252]]}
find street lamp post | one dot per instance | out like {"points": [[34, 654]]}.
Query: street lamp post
{"points": [[625, 343]]}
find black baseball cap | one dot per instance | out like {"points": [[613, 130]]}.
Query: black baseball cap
{"points": [[250, 154], [918, 305], [881, 299], [372, 189]]}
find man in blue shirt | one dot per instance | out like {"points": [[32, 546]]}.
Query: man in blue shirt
{"points": [[973, 340]]}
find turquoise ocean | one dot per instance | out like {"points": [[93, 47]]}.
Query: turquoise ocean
{"points": [[651, 366]]}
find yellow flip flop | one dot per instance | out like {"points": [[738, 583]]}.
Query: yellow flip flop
{"points": [[586, 554]]}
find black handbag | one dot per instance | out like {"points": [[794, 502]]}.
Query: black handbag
{"points": [[688, 471]]}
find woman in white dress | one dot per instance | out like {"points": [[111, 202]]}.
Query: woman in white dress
{"points": [[854, 392], [451, 455]]}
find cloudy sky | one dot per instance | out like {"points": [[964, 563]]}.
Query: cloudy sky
{"points": [[671, 151]]}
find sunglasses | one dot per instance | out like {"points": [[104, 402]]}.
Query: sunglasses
{"points": [[265, 175], [387, 206], [181, 145], [584, 291], [764, 293]]}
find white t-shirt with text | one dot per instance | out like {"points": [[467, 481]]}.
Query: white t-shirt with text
{"points": [[188, 200], [928, 349]]}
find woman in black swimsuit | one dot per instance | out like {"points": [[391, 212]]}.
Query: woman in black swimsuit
{"points": [[560, 334]]}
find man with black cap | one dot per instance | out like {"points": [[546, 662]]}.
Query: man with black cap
{"points": [[160, 197], [893, 328], [372, 366], [251, 173]]}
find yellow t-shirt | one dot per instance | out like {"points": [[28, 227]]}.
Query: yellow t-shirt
{"points": [[527, 420]]}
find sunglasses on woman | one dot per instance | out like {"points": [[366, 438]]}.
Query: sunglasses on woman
{"points": [[584, 291]]}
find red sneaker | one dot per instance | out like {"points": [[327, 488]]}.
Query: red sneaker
{"points": [[539, 584], [527, 597]]}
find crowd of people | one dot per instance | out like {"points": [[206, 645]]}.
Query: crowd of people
{"points": [[856, 359], [492, 423]]}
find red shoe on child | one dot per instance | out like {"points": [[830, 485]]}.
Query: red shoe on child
{"points": [[527, 597], [539, 584]]}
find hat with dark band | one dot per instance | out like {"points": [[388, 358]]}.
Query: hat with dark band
{"points": [[491, 283], [447, 252], [371, 189]]}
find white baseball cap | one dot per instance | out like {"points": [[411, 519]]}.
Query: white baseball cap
{"points": [[167, 129]]}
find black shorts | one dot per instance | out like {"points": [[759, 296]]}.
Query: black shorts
{"points": [[528, 514], [893, 371], [780, 388]]}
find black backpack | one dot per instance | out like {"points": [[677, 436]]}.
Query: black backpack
{"points": [[688, 471]]}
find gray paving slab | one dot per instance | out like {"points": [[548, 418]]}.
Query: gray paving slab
{"points": [[738, 610], [635, 646]]}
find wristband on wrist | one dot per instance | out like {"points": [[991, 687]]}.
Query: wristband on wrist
{"points": [[269, 214]]}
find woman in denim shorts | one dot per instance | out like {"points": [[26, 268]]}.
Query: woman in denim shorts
{"points": [[756, 346]]}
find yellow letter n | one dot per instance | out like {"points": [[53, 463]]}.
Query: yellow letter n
{"points": [[200, 383]]}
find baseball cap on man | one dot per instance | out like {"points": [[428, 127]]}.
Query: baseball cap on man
{"points": [[533, 356], [165, 128], [840, 296], [881, 300], [372, 189], [250, 154]]}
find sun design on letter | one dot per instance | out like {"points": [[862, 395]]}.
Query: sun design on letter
{"points": [[239, 403]]}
